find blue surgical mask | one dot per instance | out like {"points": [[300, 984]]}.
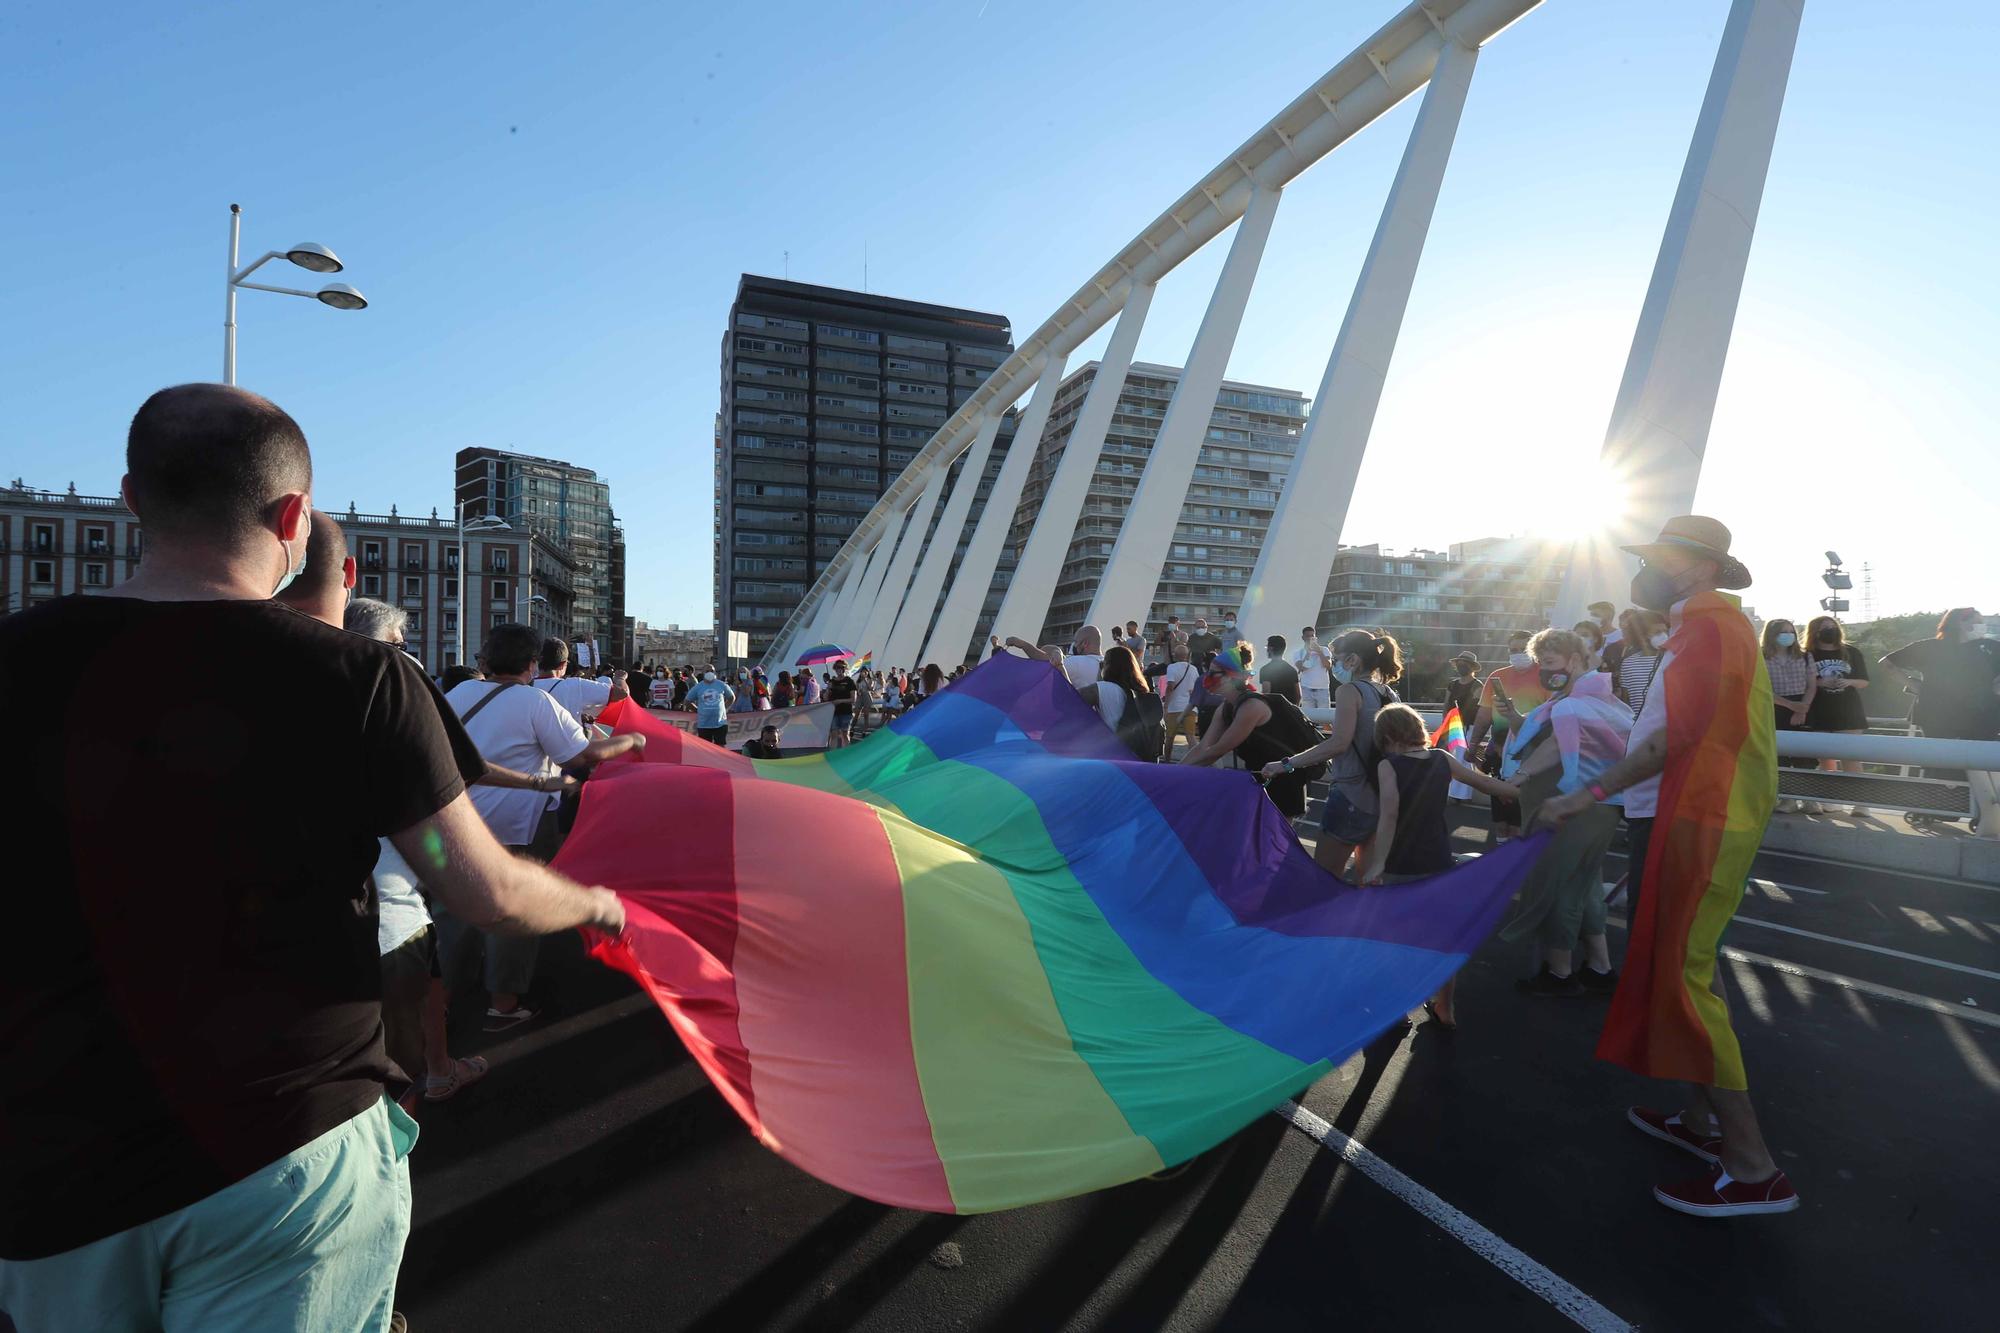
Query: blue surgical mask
{"points": [[1343, 673], [1787, 640]]}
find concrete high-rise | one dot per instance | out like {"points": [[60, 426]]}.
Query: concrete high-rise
{"points": [[826, 396], [1248, 449], [572, 505]]}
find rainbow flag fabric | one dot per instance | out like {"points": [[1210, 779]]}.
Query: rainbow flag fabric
{"points": [[1716, 795], [984, 958], [1450, 735]]}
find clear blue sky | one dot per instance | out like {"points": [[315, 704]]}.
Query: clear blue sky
{"points": [[550, 206]]}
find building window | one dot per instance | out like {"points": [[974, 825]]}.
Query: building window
{"points": [[451, 558], [413, 585], [134, 541], [496, 560], [44, 539], [371, 555], [413, 556], [499, 617], [96, 541], [499, 590], [42, 572], [371, 585], [93, 576], [451, 587]]}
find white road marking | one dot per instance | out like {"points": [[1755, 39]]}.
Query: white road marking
{"points": [[1911, 998], [1878, 870], [1582, 1310], [1871, 948]]}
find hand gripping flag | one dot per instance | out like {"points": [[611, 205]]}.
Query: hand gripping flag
{"points": [[983, 958]]}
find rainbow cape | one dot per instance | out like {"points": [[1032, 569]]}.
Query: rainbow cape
{"points": [[1450, 735], [1716, 795], [984, 958]]}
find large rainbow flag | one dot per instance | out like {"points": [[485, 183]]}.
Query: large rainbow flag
{"points": [[1716, 795], [984, 958]]}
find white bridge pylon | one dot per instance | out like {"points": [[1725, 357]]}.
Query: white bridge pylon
{"points": [[880, 591]]}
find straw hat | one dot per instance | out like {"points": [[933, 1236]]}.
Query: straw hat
{"points": [[1693, 534]]}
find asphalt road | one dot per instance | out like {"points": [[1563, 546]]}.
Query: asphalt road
{"points": [[595, 1181]]}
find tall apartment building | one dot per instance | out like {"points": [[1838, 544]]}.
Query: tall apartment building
{"points": [[54, 543], [1439, 603], [413, 563], [1252, 434], [569, 504], [826, 396]]}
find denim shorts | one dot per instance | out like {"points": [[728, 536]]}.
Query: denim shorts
{"points": [[1343, 822]]}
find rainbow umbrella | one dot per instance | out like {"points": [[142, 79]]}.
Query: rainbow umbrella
{"points": [[824, 652]]}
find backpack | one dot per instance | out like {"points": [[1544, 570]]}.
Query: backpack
{"points": [[1296, 731], [1143, 725]]}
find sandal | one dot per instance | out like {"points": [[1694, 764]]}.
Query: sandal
{"points": [[463, 1072]]}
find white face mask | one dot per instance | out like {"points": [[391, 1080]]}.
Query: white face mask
{"points": [[1520, 660], [1658, 641], [293, 571], [1974, 630]]}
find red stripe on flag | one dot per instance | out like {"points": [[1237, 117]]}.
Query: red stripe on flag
{"points": [[680, 903]]}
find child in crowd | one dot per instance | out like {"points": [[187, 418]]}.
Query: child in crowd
{"points": [[1412, 833]]}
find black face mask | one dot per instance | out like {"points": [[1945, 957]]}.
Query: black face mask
{"points": [[1654, 589], [1828, 639], [1553, 681]]}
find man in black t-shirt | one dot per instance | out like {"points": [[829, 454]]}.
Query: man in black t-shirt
{"points": [[840, 691], [189, 937]]}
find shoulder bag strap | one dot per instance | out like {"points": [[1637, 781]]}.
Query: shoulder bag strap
{"points": [[473, 711]]}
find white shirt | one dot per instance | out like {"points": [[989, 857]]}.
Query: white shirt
{"points": [[1642, 799], [1180, 678], [1083, 669], [400, 910], [1312, 668], [577, 695], [1110, 703], [522, 729]]}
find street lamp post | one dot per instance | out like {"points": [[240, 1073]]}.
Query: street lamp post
{"points": [[484, 523], [312, 257]]}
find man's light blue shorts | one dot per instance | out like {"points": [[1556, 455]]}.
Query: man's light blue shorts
{"points": [[309, 1243]]}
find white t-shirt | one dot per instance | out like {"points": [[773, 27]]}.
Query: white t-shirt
{"points": [[1642, 799], [1083, 669], [1313, 673], [1110, 703], [522, 729], [577, 695], [400, 910], [1180, 678]]}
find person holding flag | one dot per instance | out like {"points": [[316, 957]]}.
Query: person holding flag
{"points": [[1700, 777]]}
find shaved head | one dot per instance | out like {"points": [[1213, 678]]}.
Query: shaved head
{"points": [[206, 462]]}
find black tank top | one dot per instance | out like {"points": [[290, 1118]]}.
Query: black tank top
{"points": [[1422, 845]]}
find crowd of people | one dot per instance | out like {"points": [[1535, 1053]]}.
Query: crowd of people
{"points": [[359, 857]]}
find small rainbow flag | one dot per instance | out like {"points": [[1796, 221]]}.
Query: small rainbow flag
{"points": [[984, 958], [866, 658], [1450, 735]]}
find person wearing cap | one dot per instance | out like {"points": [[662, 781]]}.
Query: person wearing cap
{"points": [[1462, 690], [1699, 777]]}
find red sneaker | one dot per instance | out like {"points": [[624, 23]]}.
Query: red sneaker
{"points": [[1669, 1129], [1714, 1194]]}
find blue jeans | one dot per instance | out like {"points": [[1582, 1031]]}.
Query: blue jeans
{"points": [[308, 1243]]}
